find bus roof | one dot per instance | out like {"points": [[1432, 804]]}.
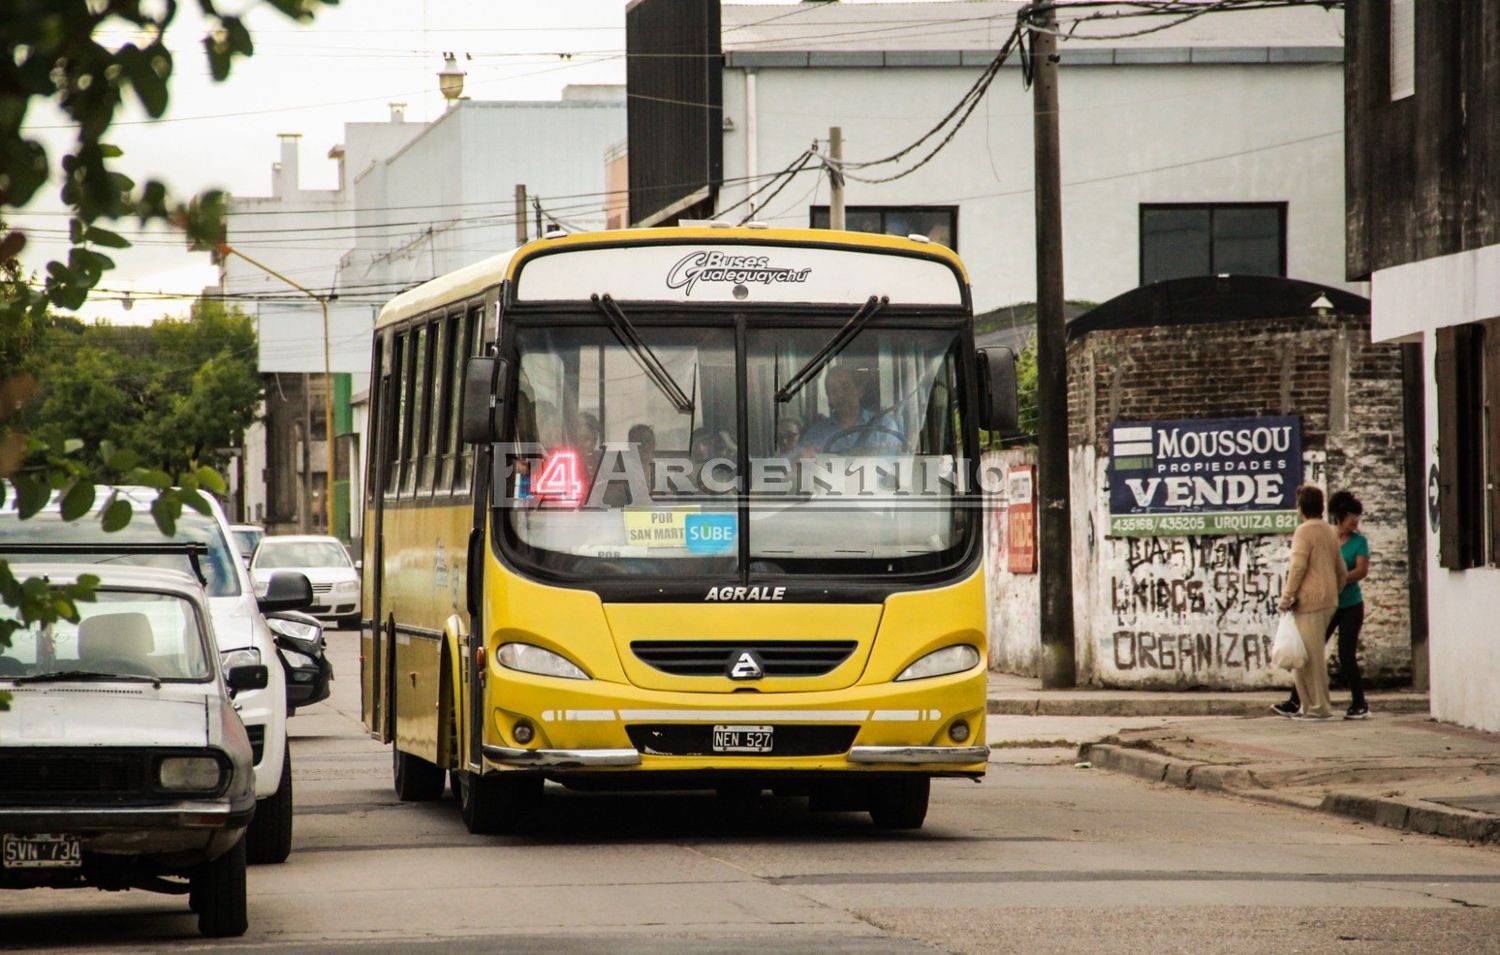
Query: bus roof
{"points": [[473, 279]]}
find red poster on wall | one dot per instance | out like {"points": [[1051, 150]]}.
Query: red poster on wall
{"points": [[1020, 520]]}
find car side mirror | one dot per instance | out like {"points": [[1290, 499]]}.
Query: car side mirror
{"points": [[997, 391], [253, 676], [287, 590], [359, 565], [484, 388]]}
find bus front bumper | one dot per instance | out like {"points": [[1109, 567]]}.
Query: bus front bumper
{"points": [[585, 758], [575, 726]]}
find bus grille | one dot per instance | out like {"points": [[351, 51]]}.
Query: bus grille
{"points": [[779, 658], [681, 739]]}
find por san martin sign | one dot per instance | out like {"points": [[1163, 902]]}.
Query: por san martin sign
{"points": [[1212, 476]]}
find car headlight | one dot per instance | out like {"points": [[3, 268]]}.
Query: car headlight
{"points": [[190, 773], [530, 659], [347, 586], [955, 659], [243, 657], [293, 628], [298, 661]]}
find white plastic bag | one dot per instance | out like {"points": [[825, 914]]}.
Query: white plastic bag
{"points": [[1288, 651]]}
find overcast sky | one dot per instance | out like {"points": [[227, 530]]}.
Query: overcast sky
{"points": [[347, 66]]}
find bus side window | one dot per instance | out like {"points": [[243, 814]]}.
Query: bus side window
{"points": [[417, 398], [374, 429], [399, 418], [447, 420], [432, 372], [472, 323]]}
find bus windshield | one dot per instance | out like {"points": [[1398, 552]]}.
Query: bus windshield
{"points": [[858, 472]]}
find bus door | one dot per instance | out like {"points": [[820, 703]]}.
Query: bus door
{"points": [[381, 659]]}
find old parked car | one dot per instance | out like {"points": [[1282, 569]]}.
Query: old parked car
{"points": [[123, 763], [324, 561], [239, 620]]}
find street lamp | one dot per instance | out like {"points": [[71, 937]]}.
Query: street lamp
{"points": [[226, 250], [451, 79]]}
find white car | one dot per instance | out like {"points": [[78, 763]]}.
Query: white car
{"points": [[124, 764], [246, 538], [244, 638], [324, 561]]}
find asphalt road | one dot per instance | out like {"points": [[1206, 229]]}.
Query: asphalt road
{"points": [[1041, 857]]}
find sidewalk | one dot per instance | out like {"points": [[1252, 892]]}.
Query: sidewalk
{"points": [[1400, 768], [1011, 695]]}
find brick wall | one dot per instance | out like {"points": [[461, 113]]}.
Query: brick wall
{"points": [[1200, 611]]}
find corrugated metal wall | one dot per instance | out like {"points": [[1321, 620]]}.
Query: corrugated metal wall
{"points": [[674, 77]]}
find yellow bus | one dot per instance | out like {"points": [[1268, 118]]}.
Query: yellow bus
{"points": [[681, 508]]}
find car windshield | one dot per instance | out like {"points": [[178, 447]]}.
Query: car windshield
{"points": [[120, 633], [289, 555], [245, 540], [48, 527], [610, 472]]}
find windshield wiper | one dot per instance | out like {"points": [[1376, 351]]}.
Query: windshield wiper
{"points": [[836, 344], [59, 675], [642, 353]]}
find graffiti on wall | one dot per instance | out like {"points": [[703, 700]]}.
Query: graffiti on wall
{"points": [[1193, 607]]}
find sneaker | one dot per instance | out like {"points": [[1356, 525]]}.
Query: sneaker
{"points": [[1285, 708], [1359, 712], [1310, 716]]}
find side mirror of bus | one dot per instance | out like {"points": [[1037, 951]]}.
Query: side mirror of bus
{"points": [[484, 386], [997, 391]]}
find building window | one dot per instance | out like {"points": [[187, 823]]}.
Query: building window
{"points": [[1403, 49], [1182, 239], [1468, 388], [938, 223]]}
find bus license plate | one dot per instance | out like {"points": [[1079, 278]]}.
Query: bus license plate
{"points": [[743, 739], [42, 851]]}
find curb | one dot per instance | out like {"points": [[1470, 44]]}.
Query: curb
{"points": [[1408, 815], [1083, 705]]}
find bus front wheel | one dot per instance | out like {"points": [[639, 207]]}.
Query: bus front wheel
{"points": [[900, 803], [415, 778], [503, 803]]}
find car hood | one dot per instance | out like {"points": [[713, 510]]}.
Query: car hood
{"points": [[315, 575], [87, 713]]}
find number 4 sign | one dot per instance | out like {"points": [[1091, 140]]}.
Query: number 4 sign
{"points": [[559, 480]]}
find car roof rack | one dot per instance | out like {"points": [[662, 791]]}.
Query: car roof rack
{"points": [[194, 550]]}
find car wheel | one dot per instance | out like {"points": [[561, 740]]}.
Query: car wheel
{"points": [[269, 839], [219, 889], [417, 780], [505, 803], [900, 803]]}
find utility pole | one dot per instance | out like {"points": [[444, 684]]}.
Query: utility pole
{"points": [[536, 202], [836, 177], [520, 214], [1054, 522], [225, 251]]}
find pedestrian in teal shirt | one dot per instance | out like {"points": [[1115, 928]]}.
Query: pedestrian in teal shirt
{"points": [[1344, 510]]}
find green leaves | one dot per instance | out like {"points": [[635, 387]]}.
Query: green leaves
{"points": [[31, 495], [116, 515], [77, 500]]}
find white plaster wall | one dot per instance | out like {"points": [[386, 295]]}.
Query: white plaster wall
{"points": [[1130, 134], [1463, 607]]}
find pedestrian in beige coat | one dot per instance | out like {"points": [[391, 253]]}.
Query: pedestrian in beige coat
{"points": [[1311, 592]]}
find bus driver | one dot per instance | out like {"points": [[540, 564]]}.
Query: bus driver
{"points": [[850, 425]]}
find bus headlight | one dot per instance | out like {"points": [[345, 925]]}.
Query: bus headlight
{"points": [[942, 662], [530, 659]]}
